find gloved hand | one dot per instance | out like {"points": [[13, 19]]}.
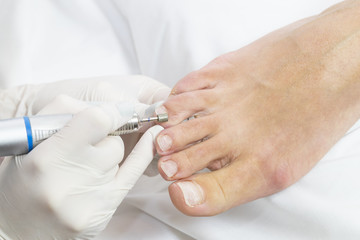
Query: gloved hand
{"points": [[71, 184], [29, 99]]}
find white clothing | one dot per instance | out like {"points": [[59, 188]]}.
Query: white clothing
{"points": [[43, 41]]}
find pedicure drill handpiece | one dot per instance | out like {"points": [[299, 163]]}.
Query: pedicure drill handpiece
{"points": [[20, 135]]}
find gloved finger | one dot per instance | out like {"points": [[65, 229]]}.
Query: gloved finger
{"points": [[63, 104], [146, 90], [92, 125], [110, 152], [97, 89], [152, 91], [104, 89], [138, 160]]}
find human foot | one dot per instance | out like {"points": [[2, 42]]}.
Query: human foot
{"points": [[267, 113]]}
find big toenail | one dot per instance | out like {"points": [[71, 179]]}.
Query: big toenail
{"points": [[164, 142], [169, 168], [192, 192]]}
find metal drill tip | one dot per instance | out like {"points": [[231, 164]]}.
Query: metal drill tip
{"points": [[163, 117], [158, 118]]}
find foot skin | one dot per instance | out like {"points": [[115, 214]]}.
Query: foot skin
{"points": [[266, 114]]}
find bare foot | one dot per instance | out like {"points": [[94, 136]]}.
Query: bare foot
{"points": [[267, 113]]}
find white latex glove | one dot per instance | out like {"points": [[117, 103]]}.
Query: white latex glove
{"points": [[29, 99], [70, 185]]}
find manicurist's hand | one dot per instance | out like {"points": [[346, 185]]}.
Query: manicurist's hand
{"points": [[30, 99], [70, 185]]}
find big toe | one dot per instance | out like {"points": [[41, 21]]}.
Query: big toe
{"points": [[211, 193]]}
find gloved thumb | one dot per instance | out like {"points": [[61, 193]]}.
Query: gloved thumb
{"points": [[152, 91]]}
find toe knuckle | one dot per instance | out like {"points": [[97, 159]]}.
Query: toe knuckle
{"points": [[282, 177], [171, 103], [220, 60], [172, 108], [278, 176], [196, 75]]}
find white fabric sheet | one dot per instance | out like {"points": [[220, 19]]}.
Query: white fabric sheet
{"points": [[48, 40]]}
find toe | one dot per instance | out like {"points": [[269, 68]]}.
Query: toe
{"points": [[194, 81], [183, 106], [182, 135], [191, 160], [211, 193]]}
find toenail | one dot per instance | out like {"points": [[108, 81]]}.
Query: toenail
{"points": [[192, 192], [173, 91], [169, 168], [164, 142], [160, 110]]}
